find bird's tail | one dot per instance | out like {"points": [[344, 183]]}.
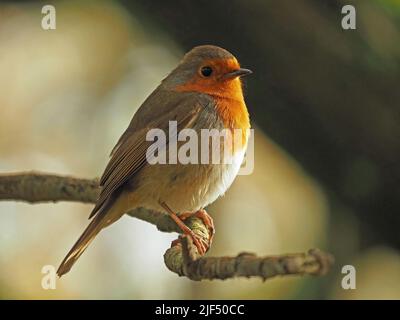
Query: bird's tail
{"points": [[104, 217]]}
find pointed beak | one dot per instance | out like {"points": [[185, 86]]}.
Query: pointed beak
{"points": [[238, 73]]}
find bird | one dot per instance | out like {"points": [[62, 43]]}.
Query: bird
{"points": [[203, 92]]}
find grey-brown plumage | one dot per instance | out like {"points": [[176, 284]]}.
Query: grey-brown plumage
{"points": [[129, 181], [128, 157]]}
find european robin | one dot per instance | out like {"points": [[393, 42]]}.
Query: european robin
{"points": [[203, 92]]}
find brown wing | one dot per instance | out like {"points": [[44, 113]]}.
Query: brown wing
{"points": [[166, 100], [129, 155]]}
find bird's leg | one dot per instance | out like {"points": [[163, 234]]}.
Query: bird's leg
{"points": [[205, 217], [197, 241]]}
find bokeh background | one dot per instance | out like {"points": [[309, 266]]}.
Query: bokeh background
{"points": [[325, 104]]}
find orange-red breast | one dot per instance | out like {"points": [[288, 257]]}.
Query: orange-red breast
{"points": [[203, 92]]}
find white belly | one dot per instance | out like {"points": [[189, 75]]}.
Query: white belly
{"points": [[222, 177]]}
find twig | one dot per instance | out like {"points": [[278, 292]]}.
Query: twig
{"points": [[183, 258], [37, 187]]}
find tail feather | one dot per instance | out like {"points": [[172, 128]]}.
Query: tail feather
{"points": [[108, 213], [80, 246]]}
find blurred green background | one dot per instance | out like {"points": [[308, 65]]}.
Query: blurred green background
{"points": [[325, 104]]}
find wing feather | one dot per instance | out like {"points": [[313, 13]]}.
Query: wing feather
{"points": [[129, 155]]}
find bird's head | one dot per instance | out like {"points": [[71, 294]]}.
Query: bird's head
{"points": [[208, 69]]}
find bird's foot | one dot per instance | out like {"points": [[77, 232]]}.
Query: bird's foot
{"points": [[205, 217], [200, 244]]}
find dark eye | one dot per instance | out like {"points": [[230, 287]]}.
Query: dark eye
{"points": [[206, 71]]}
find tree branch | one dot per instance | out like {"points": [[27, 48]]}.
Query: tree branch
{"points": [[182, 258]]}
